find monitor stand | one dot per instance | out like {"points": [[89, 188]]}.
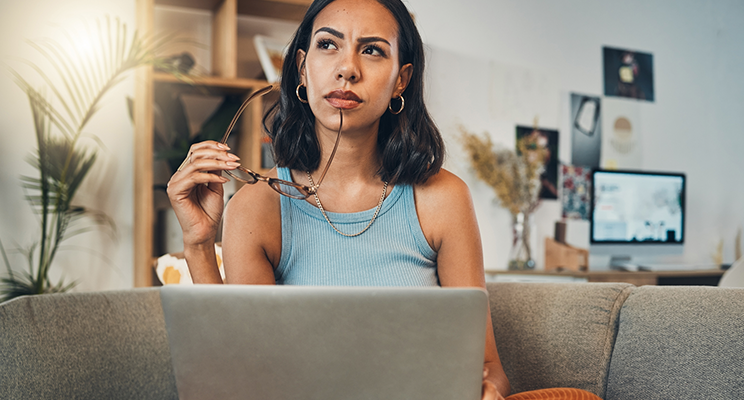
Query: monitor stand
{"points": [[622, 263]]}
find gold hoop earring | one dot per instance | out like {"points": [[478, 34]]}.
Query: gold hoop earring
{"points": [[402, 105], [297, 92]]}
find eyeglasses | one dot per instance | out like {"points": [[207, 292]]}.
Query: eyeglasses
{"points": [[285, 188]]}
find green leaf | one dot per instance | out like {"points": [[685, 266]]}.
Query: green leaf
{"points": [[76, 83]]}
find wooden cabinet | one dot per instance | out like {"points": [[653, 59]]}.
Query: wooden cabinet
{"points": [[225, 74], [700, 277]]}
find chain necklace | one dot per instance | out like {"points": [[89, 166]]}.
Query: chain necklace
{"points": [[322, 210]]}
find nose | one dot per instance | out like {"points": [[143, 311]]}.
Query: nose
{"points": [[348, 68]]}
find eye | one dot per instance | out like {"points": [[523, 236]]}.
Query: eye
{"points": [[374, 51], [326, 44]]}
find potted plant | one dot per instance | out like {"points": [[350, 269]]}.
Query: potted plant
{"points": [[62, 109]]}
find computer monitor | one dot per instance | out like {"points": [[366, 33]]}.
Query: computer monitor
{"points": [[636, 213]]}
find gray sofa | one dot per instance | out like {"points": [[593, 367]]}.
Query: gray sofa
{"points": [[616, 340]]}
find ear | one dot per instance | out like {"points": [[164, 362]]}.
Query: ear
{"points": [[301, 65], [404, 77]]}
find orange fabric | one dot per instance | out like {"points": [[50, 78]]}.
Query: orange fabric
{"points": [[555, 394]]}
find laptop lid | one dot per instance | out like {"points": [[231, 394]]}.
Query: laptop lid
{"points": [[299, 342]]}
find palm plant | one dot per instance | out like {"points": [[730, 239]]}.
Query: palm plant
{"points": [[82, 80]]}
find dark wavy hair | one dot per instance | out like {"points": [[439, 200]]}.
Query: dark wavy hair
{"points": [[410, 145]]}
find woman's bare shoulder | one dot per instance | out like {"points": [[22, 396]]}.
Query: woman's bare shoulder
{"points": [[444, 186], [252, 201], [252, 222], [442, 203]]}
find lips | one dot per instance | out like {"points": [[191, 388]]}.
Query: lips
{"points": [[343, 99]]}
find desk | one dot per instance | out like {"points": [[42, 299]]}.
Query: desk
{"points": [[704, 277]]}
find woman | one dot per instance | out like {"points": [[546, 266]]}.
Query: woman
{"points": [[353, 73]]}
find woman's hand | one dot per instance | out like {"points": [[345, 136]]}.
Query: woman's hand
{"points": [[196, 192], [489, 391]]}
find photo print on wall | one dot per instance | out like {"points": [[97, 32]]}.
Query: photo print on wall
{"points": [[576, 191], [586, 130], [621, 144], [628, 73], [547, 139]]}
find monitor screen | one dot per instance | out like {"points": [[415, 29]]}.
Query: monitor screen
{"points": [[632, 207]]}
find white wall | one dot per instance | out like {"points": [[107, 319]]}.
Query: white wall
{"points": [[694, 126], [108, 187]]}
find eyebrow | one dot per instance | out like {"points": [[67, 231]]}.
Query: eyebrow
{"points": [[331, 31], [363, 40]]}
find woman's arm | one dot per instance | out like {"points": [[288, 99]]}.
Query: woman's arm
{"points": [[447, 217], [195, 192]]}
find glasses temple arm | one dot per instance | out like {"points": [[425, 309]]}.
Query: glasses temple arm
{"points": [[335, 146], [259, 92]]}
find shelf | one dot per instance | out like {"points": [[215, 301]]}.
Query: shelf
{"points": [[218, 84], [293, 10]]}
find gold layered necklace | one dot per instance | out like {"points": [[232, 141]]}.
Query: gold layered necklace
{"points": [[322, 210]]}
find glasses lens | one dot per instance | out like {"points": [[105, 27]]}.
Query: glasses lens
{"points": [[243, 175], [289, 189]]}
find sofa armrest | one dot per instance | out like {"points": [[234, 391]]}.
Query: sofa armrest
{"points": [[679, 342], [556, 334], [104, 345]]}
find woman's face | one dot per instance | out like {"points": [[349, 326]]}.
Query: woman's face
{"points": [[352, 64]]}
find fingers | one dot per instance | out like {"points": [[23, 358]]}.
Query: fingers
{"points": [[198, 146], [489, 391], [211, 150], [216, 154], [180, 185], [209, 165], [208, 144], [208, 156]]}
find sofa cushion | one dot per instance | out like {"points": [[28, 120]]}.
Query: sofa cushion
{"points": [[679, 343], [105, 345], [556, 334]]}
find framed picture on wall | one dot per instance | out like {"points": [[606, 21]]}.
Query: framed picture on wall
{"points": [[548, 140], [628, 73], [586, 130], [622, 131], [271, 54]]}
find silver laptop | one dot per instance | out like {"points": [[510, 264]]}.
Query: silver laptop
{"points": [[295, 342]]}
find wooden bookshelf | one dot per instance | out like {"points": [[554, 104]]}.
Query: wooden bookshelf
{"points": [[223, 79]]}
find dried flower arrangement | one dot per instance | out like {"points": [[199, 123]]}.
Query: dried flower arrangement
{"points": [[513, 176]]}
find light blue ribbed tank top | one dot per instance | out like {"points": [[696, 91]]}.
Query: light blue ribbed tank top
{"points": [[392, 252]]}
